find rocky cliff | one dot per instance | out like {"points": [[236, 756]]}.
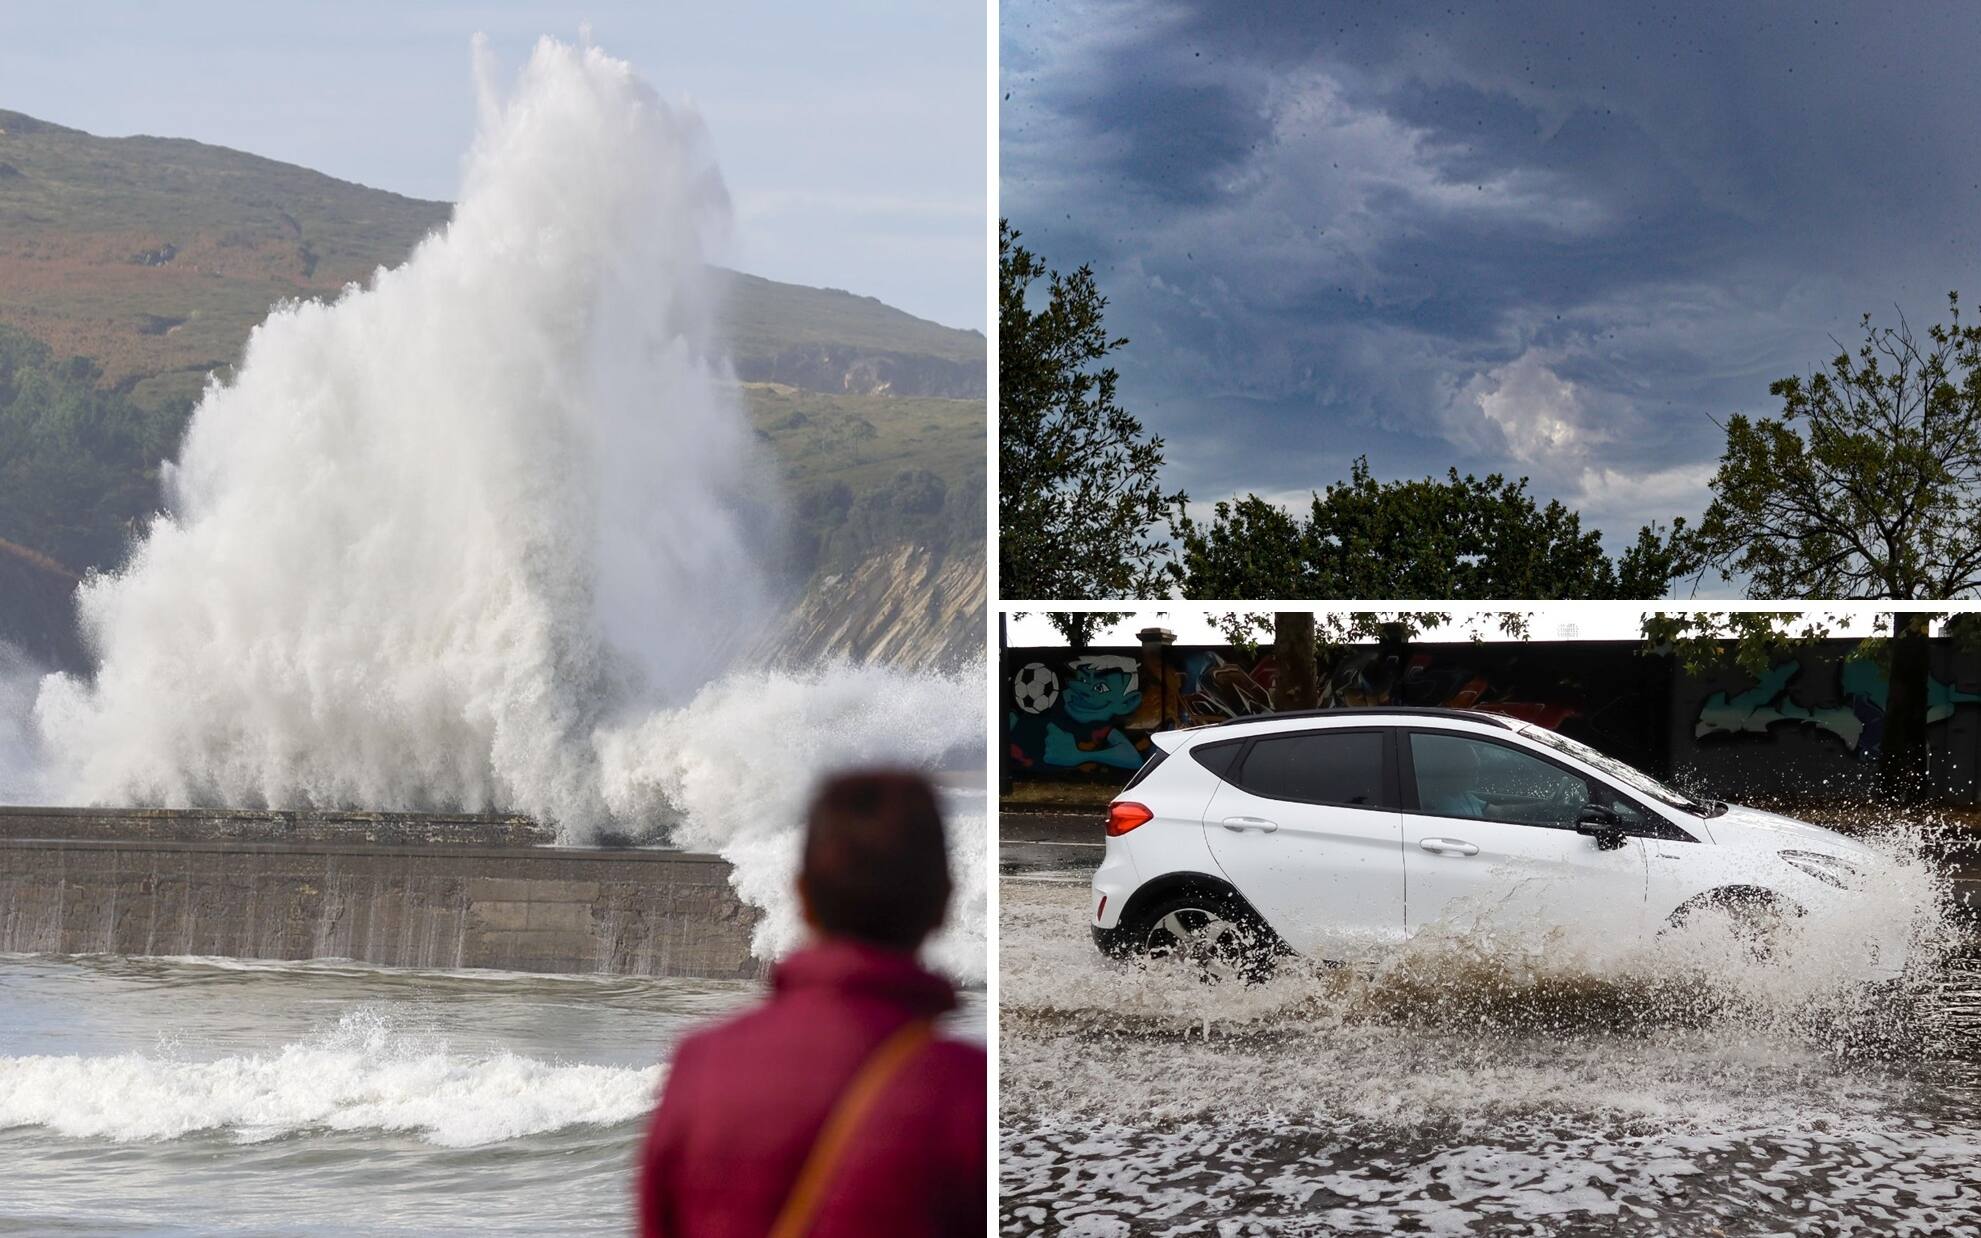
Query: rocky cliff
{"points": [[906, 605]]}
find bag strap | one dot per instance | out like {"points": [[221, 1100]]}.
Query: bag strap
{"points": [[794, 1220]]}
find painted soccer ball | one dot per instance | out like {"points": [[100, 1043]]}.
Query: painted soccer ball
{"points": [[1035, 688]]}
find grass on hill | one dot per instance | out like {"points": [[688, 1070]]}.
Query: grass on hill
{"points": [[156, 256]]}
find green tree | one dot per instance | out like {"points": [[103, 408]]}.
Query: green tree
{"points": [[1460, 538], [1303, 639], [78, 461], [1866, 485], [1078, 495], [1078, 628]]}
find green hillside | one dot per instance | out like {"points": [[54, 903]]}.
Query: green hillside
{"points": [[865, 472], [131, 269], [154, 257]]}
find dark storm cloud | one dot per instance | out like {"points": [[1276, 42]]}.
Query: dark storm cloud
{"points": [[1538, 237], [1176, 140]]}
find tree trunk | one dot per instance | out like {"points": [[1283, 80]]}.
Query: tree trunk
{"points": [[1296, 684], [1393, 646], [1902, 755]]}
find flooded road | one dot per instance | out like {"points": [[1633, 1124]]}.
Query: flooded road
{"points": [[1453, 1092]]}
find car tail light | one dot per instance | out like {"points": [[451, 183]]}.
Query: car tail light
{"points": [[1123, 817]]}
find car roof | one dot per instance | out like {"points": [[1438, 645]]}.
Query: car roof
{"points": [[1362, 711]]}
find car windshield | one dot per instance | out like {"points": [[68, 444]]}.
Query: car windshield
{"points": [[1629, 775]]}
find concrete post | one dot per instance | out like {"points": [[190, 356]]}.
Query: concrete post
{"points": [[1156, 644]]}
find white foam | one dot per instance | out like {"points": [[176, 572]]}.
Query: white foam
{"points": [[740, 759], [433, 534], [363, 1075]]}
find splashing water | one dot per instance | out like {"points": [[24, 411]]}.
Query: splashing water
{"points": [[731, 777], [1510, 978], [1510, 1083], [432, 533], [488, 532]]}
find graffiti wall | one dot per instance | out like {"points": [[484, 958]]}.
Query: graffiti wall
{"points": [[1089, 714], [1816, 720], [1813, 722]]}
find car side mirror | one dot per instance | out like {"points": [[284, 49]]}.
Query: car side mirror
{"points": [[1601, 824]]}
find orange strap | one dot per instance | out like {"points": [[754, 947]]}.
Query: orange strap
{"points": [[886, 1061]]}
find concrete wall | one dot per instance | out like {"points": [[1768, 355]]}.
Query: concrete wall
{"points": [[396, 889]]}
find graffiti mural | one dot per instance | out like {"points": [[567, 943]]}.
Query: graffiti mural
{"points": [[1093, 712], [1090, 714], [1852, 708], [1072, 713]]}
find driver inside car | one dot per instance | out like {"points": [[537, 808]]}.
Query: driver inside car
{"points": [[1447, 783]]}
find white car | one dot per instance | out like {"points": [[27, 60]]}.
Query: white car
{"points": [[1335, 833]]}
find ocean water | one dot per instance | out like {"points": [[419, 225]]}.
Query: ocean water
{"points": [[1451, 1091], [201, 1096]]}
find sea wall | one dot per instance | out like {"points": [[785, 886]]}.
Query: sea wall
{"points": [[405, 890]]}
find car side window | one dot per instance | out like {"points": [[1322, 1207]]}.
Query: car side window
{"points": [[1316, 767], [1633, 818], [1457, 776], [1217, 758], [1638, 820]]}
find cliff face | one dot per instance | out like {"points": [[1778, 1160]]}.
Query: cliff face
{"points": [[903, 606]]}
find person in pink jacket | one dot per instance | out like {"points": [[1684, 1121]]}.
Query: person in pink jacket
{"points": [[833, 1108]]}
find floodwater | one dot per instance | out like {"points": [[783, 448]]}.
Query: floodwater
{"points": [[1453, 1092], [195, 1096]]}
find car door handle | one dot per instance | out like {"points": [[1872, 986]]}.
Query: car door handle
{"points": [[1238, 825], [1447, 846]]}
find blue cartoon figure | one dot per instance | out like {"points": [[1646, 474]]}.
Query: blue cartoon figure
{"points": [[1072, 718]]}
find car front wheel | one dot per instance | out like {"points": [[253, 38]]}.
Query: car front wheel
{"points": [[1753, 922]]}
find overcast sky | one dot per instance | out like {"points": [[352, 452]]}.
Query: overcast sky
{"points": [[852, 134], [1552, 239]]}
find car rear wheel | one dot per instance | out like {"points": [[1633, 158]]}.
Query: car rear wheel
{"points": [[1214, 934]]}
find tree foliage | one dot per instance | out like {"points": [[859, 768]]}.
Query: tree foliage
{"points": [[1463, 537], [1078, 628], [1706, 641], [1868, 483], [78, 461], [1336, 630], [1078, 489]]}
